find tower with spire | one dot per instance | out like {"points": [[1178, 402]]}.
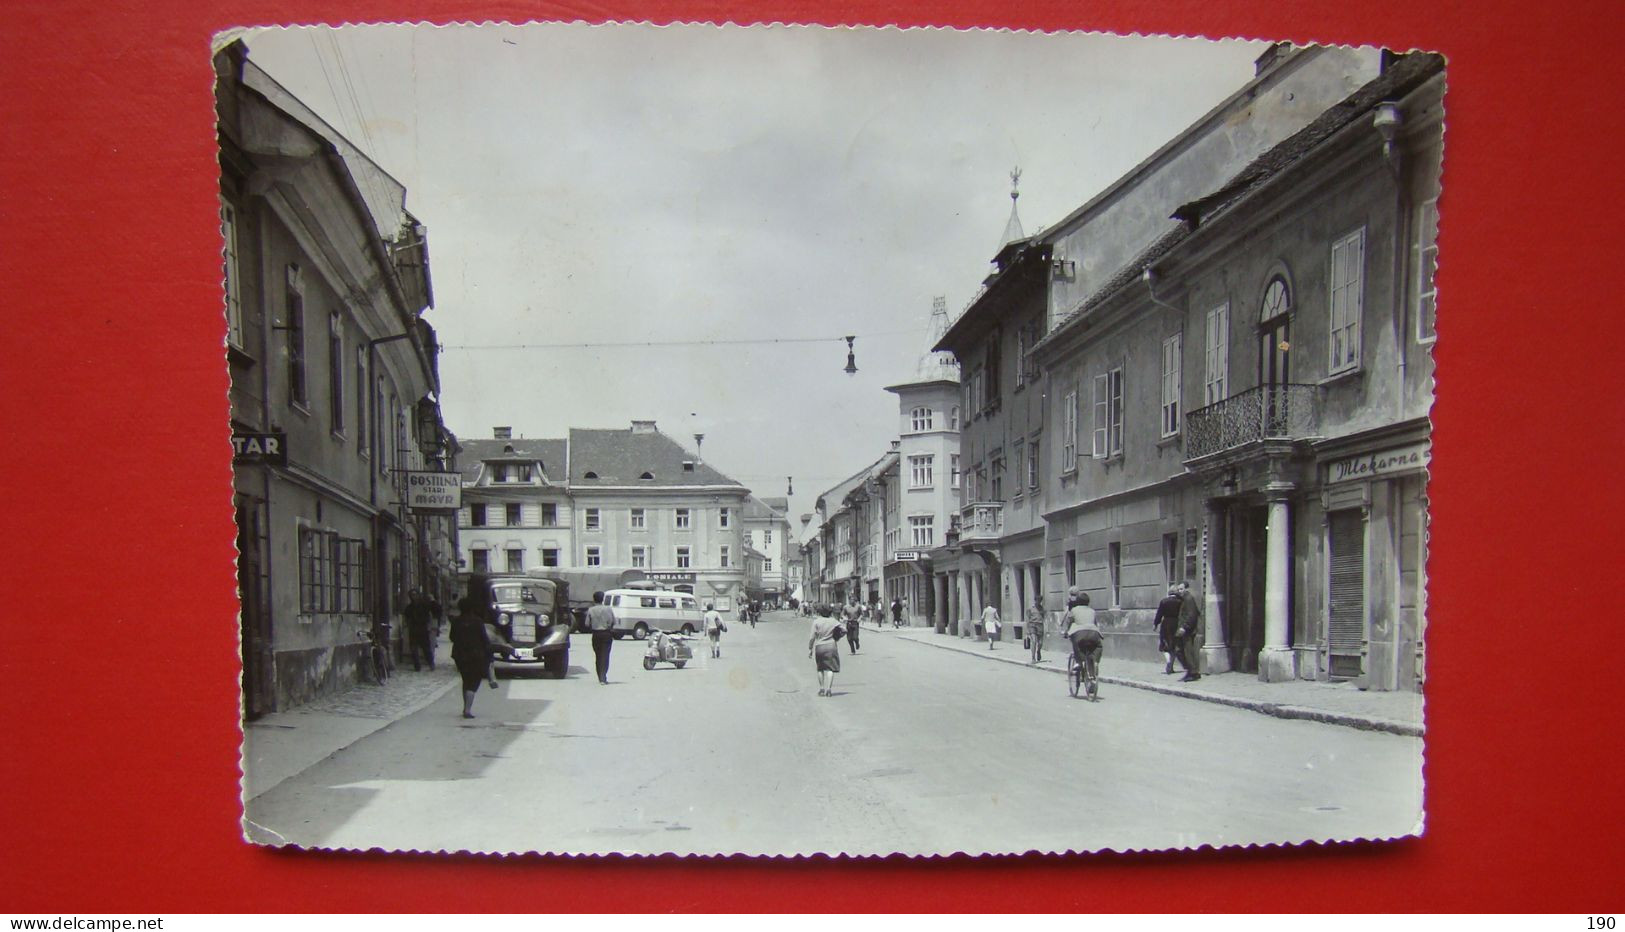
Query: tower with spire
{"points": [[1012, 229], [937, 366]]}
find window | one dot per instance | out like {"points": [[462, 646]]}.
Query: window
{"points": [[1021, 357], [1021, 467], [1193, 554], [1216, 355], [499, 472], [516, 560], [550, 556], [953, 418], [990, 387], [335, 373], [592, 520], [639, 520], [361, 400], [332, 573], [919, 472], [1172, 382], [953, 468], [524, 472], [767, 537], [1348, 270], [1069, 432], [1427, 263], [996, 469], [480, 560], [294, 326], [514, 514], [750, 539], [1170, 558], [921, 531], [683, 559], [233, 281], [767, 565], [640, 556], [550, 514], [1071, 568], [595, 556], [1032, 466], [1108, 424], [724, 555], [1114, 566], [682, 519], [724, 515], [920, 419], [476, 514]]}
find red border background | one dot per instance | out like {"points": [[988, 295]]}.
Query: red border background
{"points": [[119, 768]]}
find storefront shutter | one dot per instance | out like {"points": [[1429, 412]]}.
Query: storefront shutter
{"points": [[1346, 633]]}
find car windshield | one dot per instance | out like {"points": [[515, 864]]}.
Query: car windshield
{"points": [[508, 595]]}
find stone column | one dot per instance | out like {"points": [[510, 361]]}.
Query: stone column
{"points": [[1215, 652], [1275, 659]]}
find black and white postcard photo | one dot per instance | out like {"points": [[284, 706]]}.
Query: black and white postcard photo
{"points": [[787, 440]]}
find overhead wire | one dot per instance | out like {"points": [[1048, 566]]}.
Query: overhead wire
{"points": [[752, 341]]}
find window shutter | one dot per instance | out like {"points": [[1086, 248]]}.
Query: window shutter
{"points": [[1356, 300], [1102, 415]]}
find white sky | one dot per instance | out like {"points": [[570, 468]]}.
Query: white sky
{"points": [[604, 184]]}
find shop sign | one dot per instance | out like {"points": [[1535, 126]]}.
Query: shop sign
{"points": [[906, 555], [434, 491], [1367, 466], [674, 577], [251, 447]]}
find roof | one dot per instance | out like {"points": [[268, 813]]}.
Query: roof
{"points": [[476, 453], [622, 457], [764, 508], [1403, 76]]}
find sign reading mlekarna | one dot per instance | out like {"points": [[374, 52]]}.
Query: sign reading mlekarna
{"points": [[1366, 466], [434, 491]]}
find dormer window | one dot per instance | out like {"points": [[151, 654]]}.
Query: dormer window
{"points": [[590, 475], [647, 476], [499, 472], [688, 465], [507, 448]]}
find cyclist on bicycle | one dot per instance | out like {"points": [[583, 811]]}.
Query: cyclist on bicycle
{"points": [[1080, 628]]}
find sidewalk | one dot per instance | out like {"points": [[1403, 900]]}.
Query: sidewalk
{"points": [[1343, 703], [284, 744]]}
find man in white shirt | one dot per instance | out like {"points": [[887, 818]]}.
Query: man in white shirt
{"points": [[714, 628]]}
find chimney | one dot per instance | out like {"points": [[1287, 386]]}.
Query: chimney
{"points": [[698, 440], [643, 427], [896, 445], [502, 433]]}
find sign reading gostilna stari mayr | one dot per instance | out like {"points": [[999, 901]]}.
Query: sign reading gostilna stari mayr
{"points": [[434, 491]]}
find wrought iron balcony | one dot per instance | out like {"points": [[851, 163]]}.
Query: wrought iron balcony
{"points": [[983, 521], [1268, 412]]}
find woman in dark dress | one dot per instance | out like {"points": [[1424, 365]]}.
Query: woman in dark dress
{"points": [[470, 644]]}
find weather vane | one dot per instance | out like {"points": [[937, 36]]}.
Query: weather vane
{"points": [[1015, 182]]}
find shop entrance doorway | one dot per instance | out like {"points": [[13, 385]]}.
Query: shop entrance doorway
{"points": [[1246, 549]]}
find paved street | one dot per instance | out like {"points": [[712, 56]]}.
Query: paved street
{"points": [[920, 751]]}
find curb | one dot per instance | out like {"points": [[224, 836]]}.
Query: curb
{"points": [[1277, 709], [383, 723]]}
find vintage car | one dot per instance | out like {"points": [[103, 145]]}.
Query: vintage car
{"points": [[534, 621]]}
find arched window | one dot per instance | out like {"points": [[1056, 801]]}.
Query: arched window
{"points": [[1277, 301], [921, 419], [953, 418], [590, 475]]}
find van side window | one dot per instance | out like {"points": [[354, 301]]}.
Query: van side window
{"points": [[668, 603], [647, 601], [690, 605]]}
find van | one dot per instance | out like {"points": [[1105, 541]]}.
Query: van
{"points": [[532, 616], [640, 611]]}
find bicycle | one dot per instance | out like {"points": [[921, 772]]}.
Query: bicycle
{"points": [[1083, 676]]}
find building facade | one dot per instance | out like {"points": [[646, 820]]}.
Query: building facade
{"points": [[517, 514], [1249, 399], [333, 392], [922, 494], [767, 530]]}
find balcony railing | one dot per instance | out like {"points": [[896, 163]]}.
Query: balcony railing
{"points": [[983, 521], [1268, 412]]}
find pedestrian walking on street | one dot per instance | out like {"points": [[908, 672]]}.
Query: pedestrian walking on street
{"points": [[1190, 634], [470, 648], [851, 619], [1167, 625], [990, 625], [825, 649], [483, 603], [601, 622], [418, 619], [1035, 629], [714, 628], [896, 612]]}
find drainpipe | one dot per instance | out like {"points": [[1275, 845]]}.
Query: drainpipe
{"points": [[380, 598], [1387, 120]]}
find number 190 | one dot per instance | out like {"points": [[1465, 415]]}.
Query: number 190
{"points": [[1600, 922]]}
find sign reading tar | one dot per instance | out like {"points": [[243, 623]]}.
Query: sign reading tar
{"points": [[249, 447], [434, 491]]}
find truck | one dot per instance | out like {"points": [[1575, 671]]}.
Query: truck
{"points": [[535, 621], [576, 586]]}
